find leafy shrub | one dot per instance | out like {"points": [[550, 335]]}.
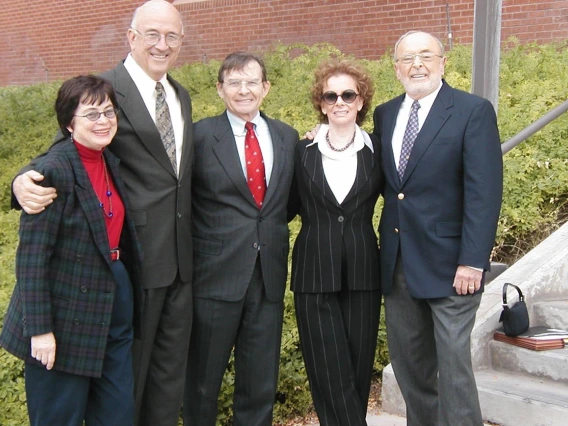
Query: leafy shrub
{"points": [[532, 81]]}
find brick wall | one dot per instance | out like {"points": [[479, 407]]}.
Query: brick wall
{"points": [[50, 40]]}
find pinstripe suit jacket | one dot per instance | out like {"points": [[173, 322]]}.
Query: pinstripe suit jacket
{"points": [[328, 226], [229, 231], [65, 284]]}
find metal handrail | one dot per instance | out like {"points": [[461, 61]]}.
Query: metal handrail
{"points": [[531, 129]]}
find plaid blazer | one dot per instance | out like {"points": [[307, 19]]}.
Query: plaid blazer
{"points": [[65, 284]]}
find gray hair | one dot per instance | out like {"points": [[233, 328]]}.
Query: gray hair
{"points": [[414, 32]]}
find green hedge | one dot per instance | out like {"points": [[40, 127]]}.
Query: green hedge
{"points": [[533, 81]]}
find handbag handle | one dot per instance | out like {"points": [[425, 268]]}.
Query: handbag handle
{"points": [[521, 297]]}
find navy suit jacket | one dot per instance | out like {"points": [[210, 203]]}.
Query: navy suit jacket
{"points": [[445, 210]]}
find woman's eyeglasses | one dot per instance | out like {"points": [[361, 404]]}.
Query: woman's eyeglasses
{"points": [[95, 115], [348, 97]]}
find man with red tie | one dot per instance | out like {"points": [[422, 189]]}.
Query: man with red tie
{"points": [[243, 168]]}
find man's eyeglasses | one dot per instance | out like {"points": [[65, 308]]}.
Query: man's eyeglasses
{"points": [[424, 57], [153, 38], [95, 115], [348, 97], [237, 84]]}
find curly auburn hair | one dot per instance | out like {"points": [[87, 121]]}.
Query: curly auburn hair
{"points": [[351, 68]]}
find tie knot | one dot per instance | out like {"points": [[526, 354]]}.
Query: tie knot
{"points": [[415, 105], [159, 88], [249, 126]]}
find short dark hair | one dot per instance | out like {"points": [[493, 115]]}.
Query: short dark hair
{"points": [[88, 89], [237, 61], [351, 68]]}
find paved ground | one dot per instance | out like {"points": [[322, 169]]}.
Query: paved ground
{"points": [[382, 419]]}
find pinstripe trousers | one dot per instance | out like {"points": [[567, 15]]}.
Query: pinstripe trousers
{"points": [[338, 337]]}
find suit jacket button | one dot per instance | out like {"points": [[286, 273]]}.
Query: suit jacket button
{"points": [[83, 289], [179, 215], [340, 219], [396, 230], [76, 322], [255, 245], [401, 196]]}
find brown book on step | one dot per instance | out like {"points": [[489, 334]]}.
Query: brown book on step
{"points": [[535, 338]]}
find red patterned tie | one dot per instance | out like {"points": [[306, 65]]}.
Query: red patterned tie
{"points": [[256, 178]]}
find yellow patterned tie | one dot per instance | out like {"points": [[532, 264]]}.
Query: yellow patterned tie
{"points": [[164, 125]]}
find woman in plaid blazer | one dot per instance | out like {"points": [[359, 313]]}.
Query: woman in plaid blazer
{"points": [[71, 314]]}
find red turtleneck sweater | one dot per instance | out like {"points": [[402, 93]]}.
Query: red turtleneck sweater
{"points": [[93, 162]]}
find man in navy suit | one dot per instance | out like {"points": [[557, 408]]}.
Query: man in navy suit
{"points": [[443, 187]]}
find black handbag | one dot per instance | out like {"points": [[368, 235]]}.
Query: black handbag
{"points": [[516, 318]]}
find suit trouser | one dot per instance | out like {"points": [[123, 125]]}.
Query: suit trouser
{"points": [[56, 398], [253, 325], [160, 356], [338, 336], [430, 352]]}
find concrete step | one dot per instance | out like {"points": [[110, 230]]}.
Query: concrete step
{"points": [[513, 399], [552, 314], [551, 365]]}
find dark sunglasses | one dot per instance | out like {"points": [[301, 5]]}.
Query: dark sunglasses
{"points": [[348, 97]]}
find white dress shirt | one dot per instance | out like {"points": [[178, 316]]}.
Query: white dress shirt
{"points": [[340, 168], [147, 88], [402, 119], [264, 140]]}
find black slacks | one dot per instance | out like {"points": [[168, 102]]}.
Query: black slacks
{"points": [[338, 336], [56, 398]]}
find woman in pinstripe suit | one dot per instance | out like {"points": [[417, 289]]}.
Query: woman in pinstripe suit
{"points": [[335, 261]]}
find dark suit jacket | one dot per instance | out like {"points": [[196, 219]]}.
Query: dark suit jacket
{"points": [[444, 213], [161, 203], [229, 231], [65, 284], [330, 228]]}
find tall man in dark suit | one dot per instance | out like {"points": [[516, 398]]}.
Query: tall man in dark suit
{"points": [[443, 186], [156, 168], [240, 239]]}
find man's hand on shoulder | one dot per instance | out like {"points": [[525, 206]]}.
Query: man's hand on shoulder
{"points": [[32, 197], [311, 134]]}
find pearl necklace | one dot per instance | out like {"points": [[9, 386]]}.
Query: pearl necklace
{"points": [[339, 149], [108, 192]]}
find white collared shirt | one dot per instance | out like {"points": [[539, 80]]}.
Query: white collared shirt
{"points": [[402, 119], [264, 140], [340, 168], [147, 88]]}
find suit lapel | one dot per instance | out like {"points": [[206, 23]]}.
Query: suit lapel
{"points": [[279, 160], [312, 163], [89, 202], [365, 166], [133, 107], [389, 123], [186, 151], [226, 151], [438, 115]]}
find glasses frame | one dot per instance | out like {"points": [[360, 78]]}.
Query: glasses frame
{"points": [[145, 36], [237, 84], [349, 93], [99, 113], [425, 57]]}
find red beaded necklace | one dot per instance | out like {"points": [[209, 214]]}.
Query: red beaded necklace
{"points": [[108, 191]]}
